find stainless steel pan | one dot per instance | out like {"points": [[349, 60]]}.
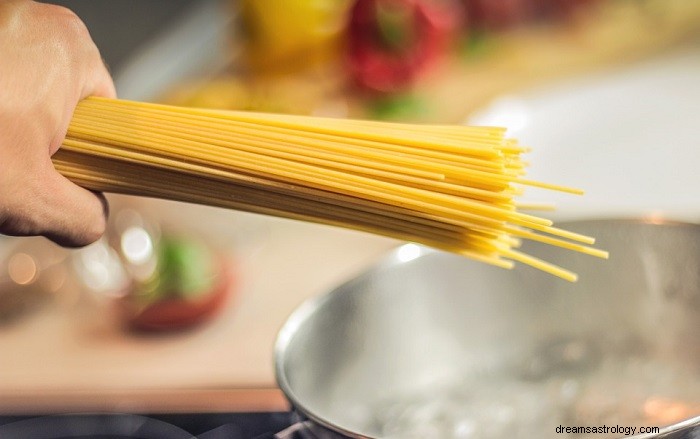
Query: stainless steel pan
{"points": [[430, 344]]}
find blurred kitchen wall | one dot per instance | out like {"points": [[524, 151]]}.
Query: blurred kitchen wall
{"points": [[121, 27]]}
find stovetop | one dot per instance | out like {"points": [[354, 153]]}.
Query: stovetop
{"points": [[151, 426], [265, 425]]}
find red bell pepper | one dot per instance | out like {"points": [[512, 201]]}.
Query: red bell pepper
{"points": [[391, 42]]}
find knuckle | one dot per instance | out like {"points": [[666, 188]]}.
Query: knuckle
{"points": [[61, 14], [66, 22], [75, 25]]}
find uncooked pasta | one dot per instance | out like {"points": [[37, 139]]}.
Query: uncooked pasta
{"points": [[449, 187]]}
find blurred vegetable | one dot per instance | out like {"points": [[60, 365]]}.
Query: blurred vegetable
{"points": [[552, 10], [188, 286], [498, 15], [391, 42], [186, 267], [176, 313], [283, 35], [399, 107], [495, 15]]}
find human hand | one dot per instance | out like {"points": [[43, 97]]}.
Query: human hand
{"points": [[48, 63]]}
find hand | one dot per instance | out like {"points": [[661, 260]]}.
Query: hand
{"points": [[48, 63]]}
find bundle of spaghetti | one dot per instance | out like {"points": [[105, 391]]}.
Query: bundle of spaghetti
{"points": [[449, 187]]}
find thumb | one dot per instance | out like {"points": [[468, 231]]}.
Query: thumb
{"points": [[74, 216], [77, 216]]}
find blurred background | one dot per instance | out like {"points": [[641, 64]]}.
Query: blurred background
{"points": [[177, 308]]}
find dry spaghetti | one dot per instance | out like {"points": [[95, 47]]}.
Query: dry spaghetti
{"points": [[449, 187]]}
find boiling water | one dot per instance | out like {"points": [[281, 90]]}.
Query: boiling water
{"points": [[563, 384]]}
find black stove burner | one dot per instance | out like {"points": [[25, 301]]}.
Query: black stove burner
{"points": [[155, 426]]}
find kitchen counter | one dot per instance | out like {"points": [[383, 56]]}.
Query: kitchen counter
{"points": [[77, 356]]}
